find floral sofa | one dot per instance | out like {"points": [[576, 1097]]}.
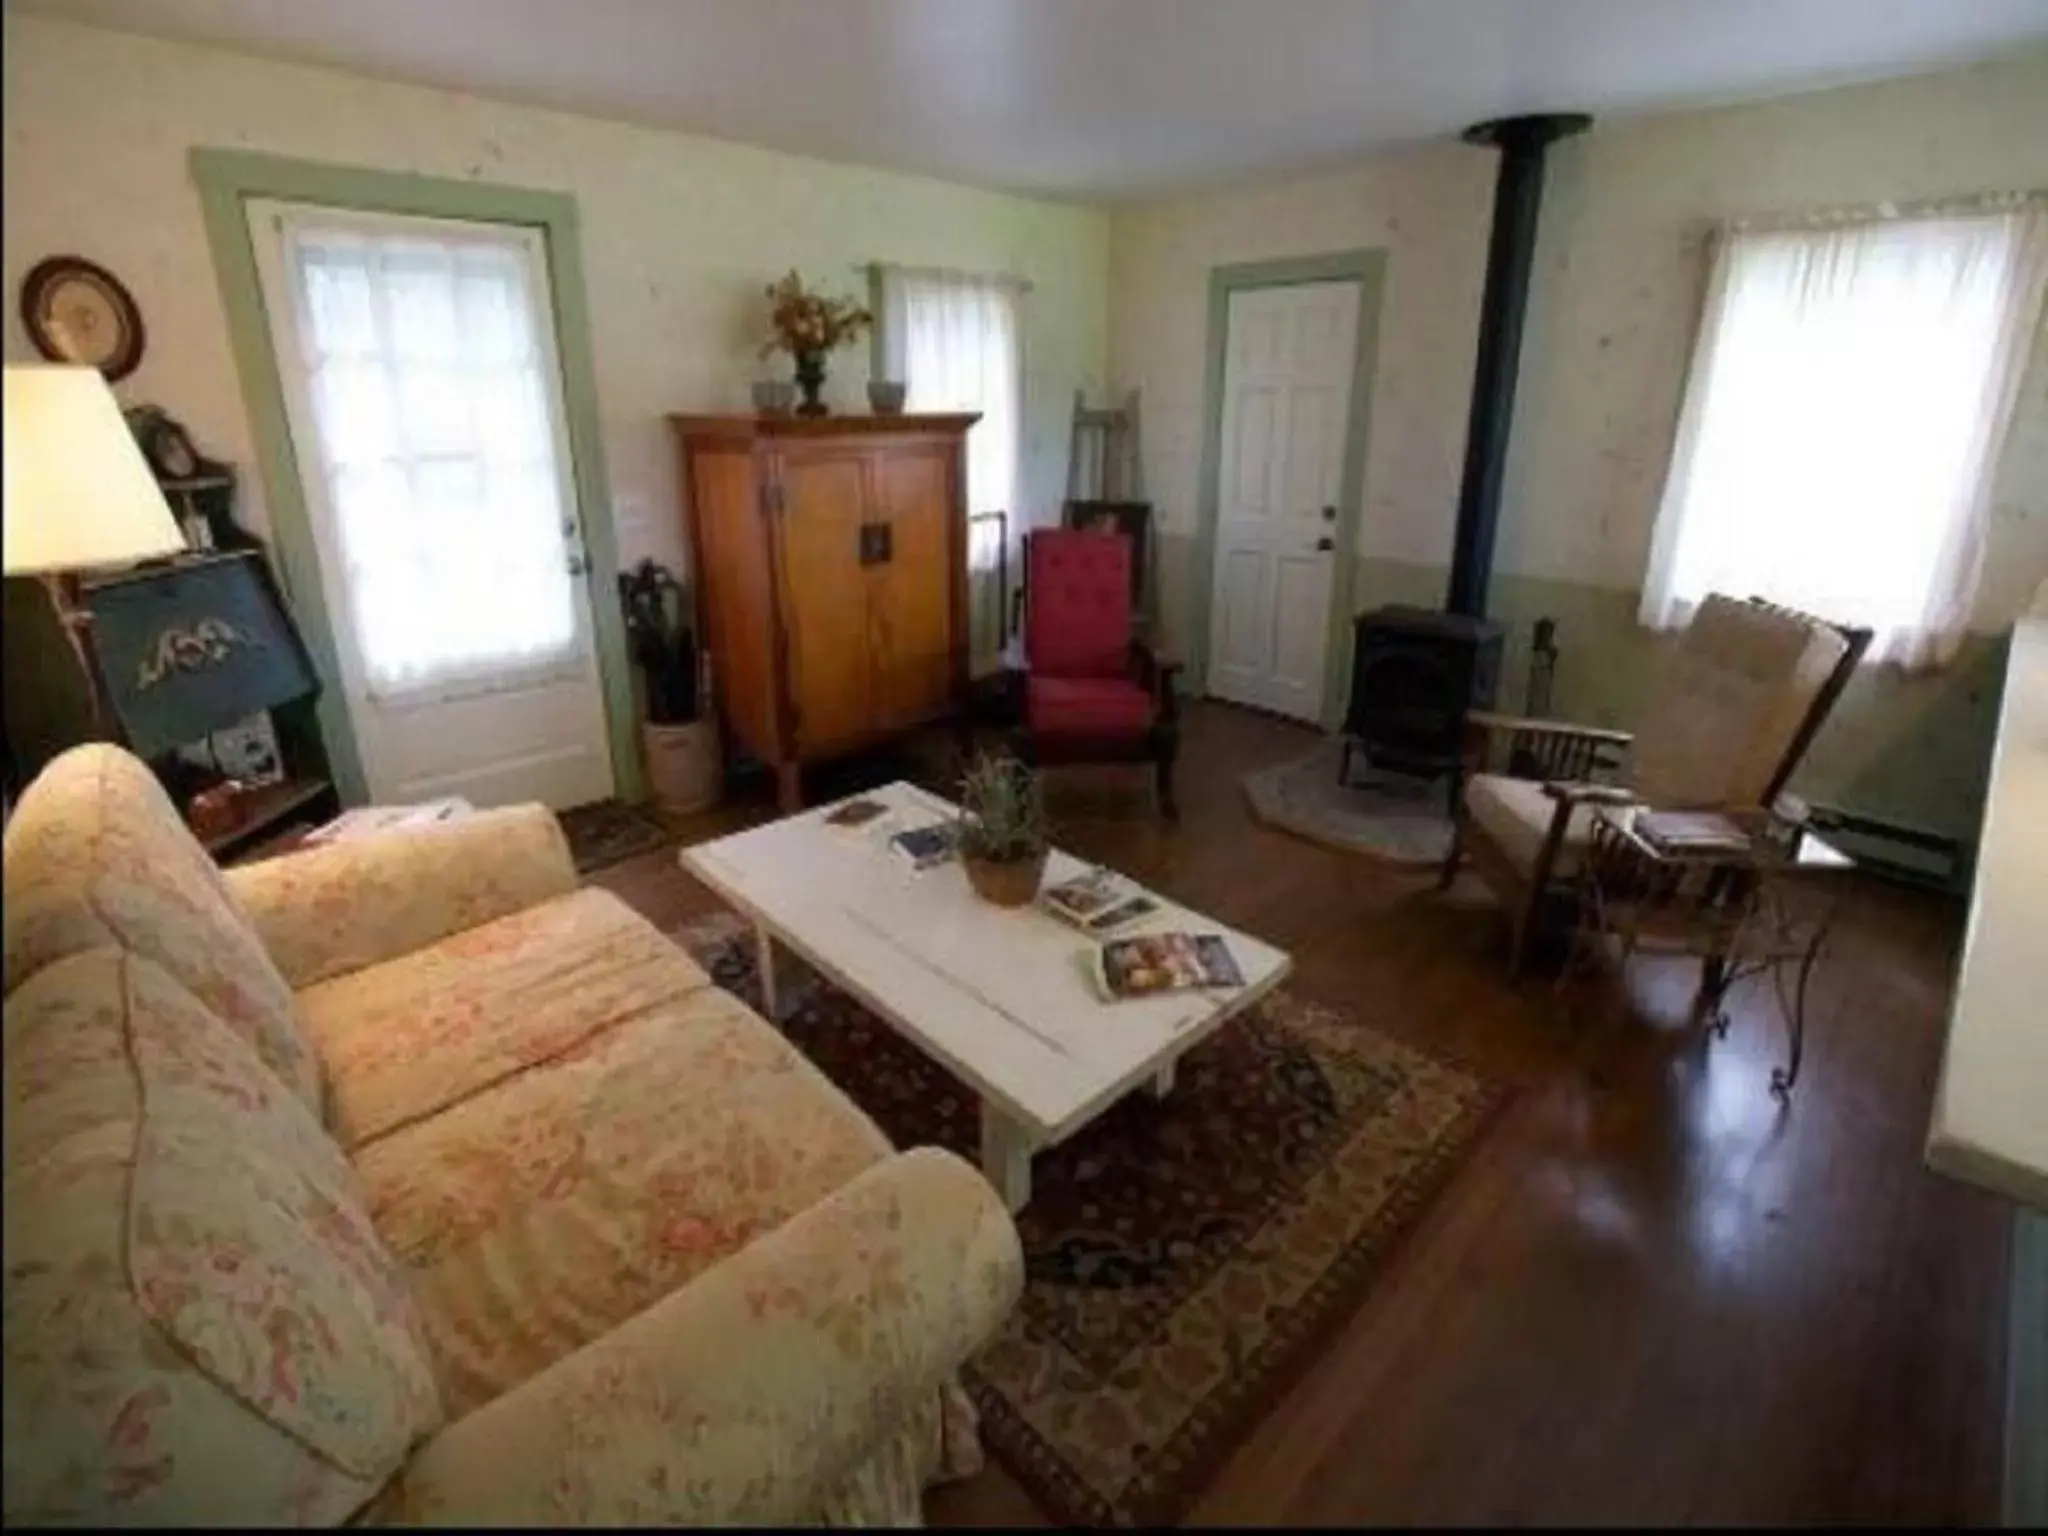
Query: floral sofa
{"points": [[400, 1180]]}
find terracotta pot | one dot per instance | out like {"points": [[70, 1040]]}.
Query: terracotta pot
{"points": [[1010, 883]]}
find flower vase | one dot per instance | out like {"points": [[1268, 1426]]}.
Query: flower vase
{"points": [[810, 378]]}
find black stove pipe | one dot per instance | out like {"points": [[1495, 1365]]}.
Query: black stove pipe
{"points": [[1510, 252]]}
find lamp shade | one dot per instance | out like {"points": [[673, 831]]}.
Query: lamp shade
{"points": [[79, 493]]}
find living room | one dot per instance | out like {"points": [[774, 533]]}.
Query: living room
{"points": [[1454, 1200]]}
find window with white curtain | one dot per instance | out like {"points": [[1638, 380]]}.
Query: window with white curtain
{"points": [[1849, 391], [427, 368], [955, 341]]}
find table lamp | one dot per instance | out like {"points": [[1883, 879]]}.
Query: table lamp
{"points": [[79, 495]]}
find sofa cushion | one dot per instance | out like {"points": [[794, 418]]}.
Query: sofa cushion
{"points": [[95, 854], [202, 1324], [408, 1038], [556, 1205], [1112, 708], [1516, 814]]}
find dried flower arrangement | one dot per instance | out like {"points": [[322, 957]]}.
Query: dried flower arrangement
{"points": [[803, 323]]}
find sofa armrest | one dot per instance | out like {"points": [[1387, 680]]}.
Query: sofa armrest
{"points": [[751, 1394], [336, 908]]}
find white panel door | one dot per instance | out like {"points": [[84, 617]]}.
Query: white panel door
{"points": [[423, 386], [1288, 355]]}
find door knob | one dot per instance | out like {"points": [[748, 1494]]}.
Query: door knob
{"points": [[1326, 544], [1329, 514]]}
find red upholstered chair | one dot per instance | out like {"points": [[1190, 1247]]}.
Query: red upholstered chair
{"points": [[1091, 692]]}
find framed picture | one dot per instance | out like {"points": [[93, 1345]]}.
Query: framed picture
{"points": [[247, 750], [76, 311]]}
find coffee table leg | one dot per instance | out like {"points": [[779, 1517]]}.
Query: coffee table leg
{"points": [[1162, 1081], [764, 959], [1006, 1158]]}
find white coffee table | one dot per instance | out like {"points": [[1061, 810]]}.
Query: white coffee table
{"points": [[1001, 998]]}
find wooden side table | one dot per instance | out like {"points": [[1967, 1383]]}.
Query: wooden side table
{"points": [[1766, 910]]}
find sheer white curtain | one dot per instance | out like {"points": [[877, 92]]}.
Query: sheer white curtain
{"points": [[955, 341], [427, 370], [1849, 391]]}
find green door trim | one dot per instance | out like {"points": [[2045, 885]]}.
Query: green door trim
{"points": [[1368, 269], [226, 179]]}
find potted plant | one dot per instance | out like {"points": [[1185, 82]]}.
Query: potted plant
{"points": [[1002, 830], [808, 325], [683, 766]]}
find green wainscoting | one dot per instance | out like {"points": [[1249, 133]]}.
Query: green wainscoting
{"points": [[1909, 749]]}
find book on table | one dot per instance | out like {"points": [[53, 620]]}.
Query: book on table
{"points": [[1691, 832], [855, 813], [926, 847], [1098, 903], [1151, 964]]}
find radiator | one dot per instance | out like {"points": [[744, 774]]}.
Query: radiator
{"points": [[1895, 849]]}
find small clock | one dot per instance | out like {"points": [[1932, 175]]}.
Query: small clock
{"points": [[164, 442], [76, 311]]}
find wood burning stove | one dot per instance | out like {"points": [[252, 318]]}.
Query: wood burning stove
{"points": [[1414, 671]]}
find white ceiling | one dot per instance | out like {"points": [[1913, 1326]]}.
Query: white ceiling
{"points": [[1095, 98]]}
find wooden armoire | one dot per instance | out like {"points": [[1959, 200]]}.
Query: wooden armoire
{"points": [[830, 564]]}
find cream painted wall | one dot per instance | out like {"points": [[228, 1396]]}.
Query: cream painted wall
{"points": [[1619, 269], [679, 235]]}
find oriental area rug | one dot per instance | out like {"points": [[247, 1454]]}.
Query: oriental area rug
{"points": [[609, 832], [1185, 1258]]}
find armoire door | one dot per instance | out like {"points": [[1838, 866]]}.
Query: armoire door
{"points": [[910, 593], [824, 607]]}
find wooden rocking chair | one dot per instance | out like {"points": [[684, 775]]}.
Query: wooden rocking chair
{"points": [[1741, 700]]}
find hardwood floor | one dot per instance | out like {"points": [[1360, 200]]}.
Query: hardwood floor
{"points": [[1653, 1295]]}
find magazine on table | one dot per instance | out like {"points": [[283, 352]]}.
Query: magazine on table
{"points": [[861, 812], [1098, 903], [1695, 832], [1152, 964], [927, 847]]}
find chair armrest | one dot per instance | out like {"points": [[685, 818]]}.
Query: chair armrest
{"points": [[1551, 749], [1157, 671], [1520, 725], [328, 910], [751, 1394], [1568, 795]]}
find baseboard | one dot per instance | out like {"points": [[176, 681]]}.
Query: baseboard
{"points": [[1896, 850]]}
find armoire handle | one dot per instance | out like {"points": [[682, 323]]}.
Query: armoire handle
{"points": [[877, 544]]}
